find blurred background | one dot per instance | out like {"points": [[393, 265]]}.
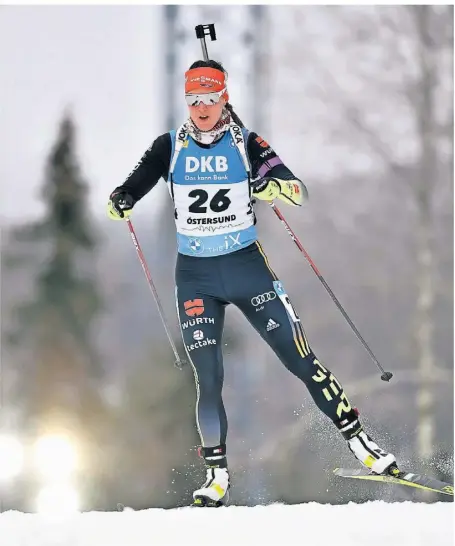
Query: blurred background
{"points": [[358, 101]]}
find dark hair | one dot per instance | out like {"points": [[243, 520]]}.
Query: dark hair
{"points": [[218, 66], [208, 64]]}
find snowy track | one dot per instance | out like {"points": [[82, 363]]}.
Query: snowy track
{"points": [[370, 524]]}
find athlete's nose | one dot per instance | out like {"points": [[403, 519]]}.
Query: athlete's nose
{"points": [[202, 107]]}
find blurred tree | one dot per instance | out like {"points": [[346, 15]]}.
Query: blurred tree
{"points": [[59, 380]]}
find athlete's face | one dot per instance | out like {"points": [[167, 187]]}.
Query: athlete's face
{"points": [[206, 117]]}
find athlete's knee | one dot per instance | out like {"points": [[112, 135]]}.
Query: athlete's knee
{"points": [[208, 373], [316, 376], [301, 364], [308, 368], [210, 384]]}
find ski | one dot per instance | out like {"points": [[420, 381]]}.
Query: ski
{"points": [[401, 478]]}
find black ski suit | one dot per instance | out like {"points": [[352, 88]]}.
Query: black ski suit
{"points": [[244, 278]]}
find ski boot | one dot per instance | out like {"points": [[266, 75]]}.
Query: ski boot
{"points": [[365, 449], [215, 491]]}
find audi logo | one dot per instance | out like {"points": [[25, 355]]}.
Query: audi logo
{"points": [[263, 298]]}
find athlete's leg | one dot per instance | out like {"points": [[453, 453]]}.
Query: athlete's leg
{"points": [[201, 316], [264, 302], [201, 324]]}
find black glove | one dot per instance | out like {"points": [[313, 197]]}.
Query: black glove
{"points": [[120, 205]]}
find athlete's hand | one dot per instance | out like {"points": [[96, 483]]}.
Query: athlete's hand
{"points": [[120, 205], [266, 189], [269, 188]]}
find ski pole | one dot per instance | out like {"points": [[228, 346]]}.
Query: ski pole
{"points": [[386, 376], [179, 363]]}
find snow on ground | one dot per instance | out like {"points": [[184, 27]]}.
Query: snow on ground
{"points": [[370, 524]]}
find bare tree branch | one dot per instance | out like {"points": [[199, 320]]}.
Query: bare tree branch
{"points": [[353, 115]]}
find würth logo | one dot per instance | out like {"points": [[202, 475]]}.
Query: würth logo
{"points": [[194, 308]]}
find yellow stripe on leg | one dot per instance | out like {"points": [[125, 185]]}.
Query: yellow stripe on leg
{"points": [[258, 244], [297, 341], [304, 340]]}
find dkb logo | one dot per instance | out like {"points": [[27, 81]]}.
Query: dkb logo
{"points": [[205, 164]]}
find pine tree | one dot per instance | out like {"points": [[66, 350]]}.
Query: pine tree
{"points": [[56, 324]]}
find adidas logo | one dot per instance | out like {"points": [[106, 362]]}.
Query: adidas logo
{"points": [[271, 325]]}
